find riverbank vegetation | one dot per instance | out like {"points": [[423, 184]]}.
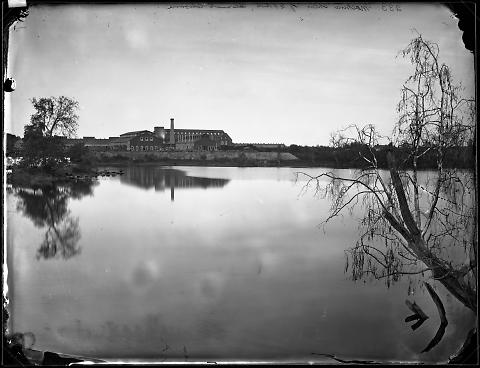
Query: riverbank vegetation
{"points": [[350, 155], [41, 157], [343, 157]]}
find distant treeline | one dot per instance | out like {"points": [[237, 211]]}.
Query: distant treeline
{"points": [[351, 156]]}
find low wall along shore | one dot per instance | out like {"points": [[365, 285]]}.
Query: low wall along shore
{"points": [[203, 155]]}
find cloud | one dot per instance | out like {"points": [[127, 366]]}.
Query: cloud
{"points": [[137, 39]]}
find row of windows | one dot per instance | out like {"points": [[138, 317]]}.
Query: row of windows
{"points": [[188, 139], [146, 139], [179, 133], [192, 138], [198, 133], [144, 148], [209, 148]]}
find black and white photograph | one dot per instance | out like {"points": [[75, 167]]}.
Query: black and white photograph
{"points": [[245, 182]]}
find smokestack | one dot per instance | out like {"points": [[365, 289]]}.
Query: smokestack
{"points": [[172, 132]]}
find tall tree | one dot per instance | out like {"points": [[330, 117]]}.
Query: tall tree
{"points": [[414, 223], [55, 116]]}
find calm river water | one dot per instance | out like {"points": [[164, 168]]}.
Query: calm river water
{"points": [[204, 263]]}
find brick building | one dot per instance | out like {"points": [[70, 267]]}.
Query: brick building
{"points": [[160, 139]]}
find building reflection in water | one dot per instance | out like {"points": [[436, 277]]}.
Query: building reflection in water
{"points": [[163, 178]]}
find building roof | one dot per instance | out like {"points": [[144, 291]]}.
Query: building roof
{"points": [[120, 139], [259, 144], [135, 132], [198, 130], [97, 141]]}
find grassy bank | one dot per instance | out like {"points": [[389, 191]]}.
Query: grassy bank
{"points": [[293, 156]]}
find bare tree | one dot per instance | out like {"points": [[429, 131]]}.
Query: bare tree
{"points": [[413, 223]]}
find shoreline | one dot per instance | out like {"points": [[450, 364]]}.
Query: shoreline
{"points": [[296, 164], [210, 164], [39, 177]]}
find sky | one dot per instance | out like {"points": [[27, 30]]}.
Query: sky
{"points": [[289, 75]]}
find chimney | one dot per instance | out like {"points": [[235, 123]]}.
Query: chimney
{"points": [[172, 132]]}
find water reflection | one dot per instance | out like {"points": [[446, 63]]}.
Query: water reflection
{"points": [[162, 178], [47, 207], [167, 283]]}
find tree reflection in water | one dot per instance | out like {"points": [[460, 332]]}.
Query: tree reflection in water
{"points": [[61, 239], [47, 207]]}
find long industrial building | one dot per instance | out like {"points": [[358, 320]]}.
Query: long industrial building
{"points": [[161, 139]]}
